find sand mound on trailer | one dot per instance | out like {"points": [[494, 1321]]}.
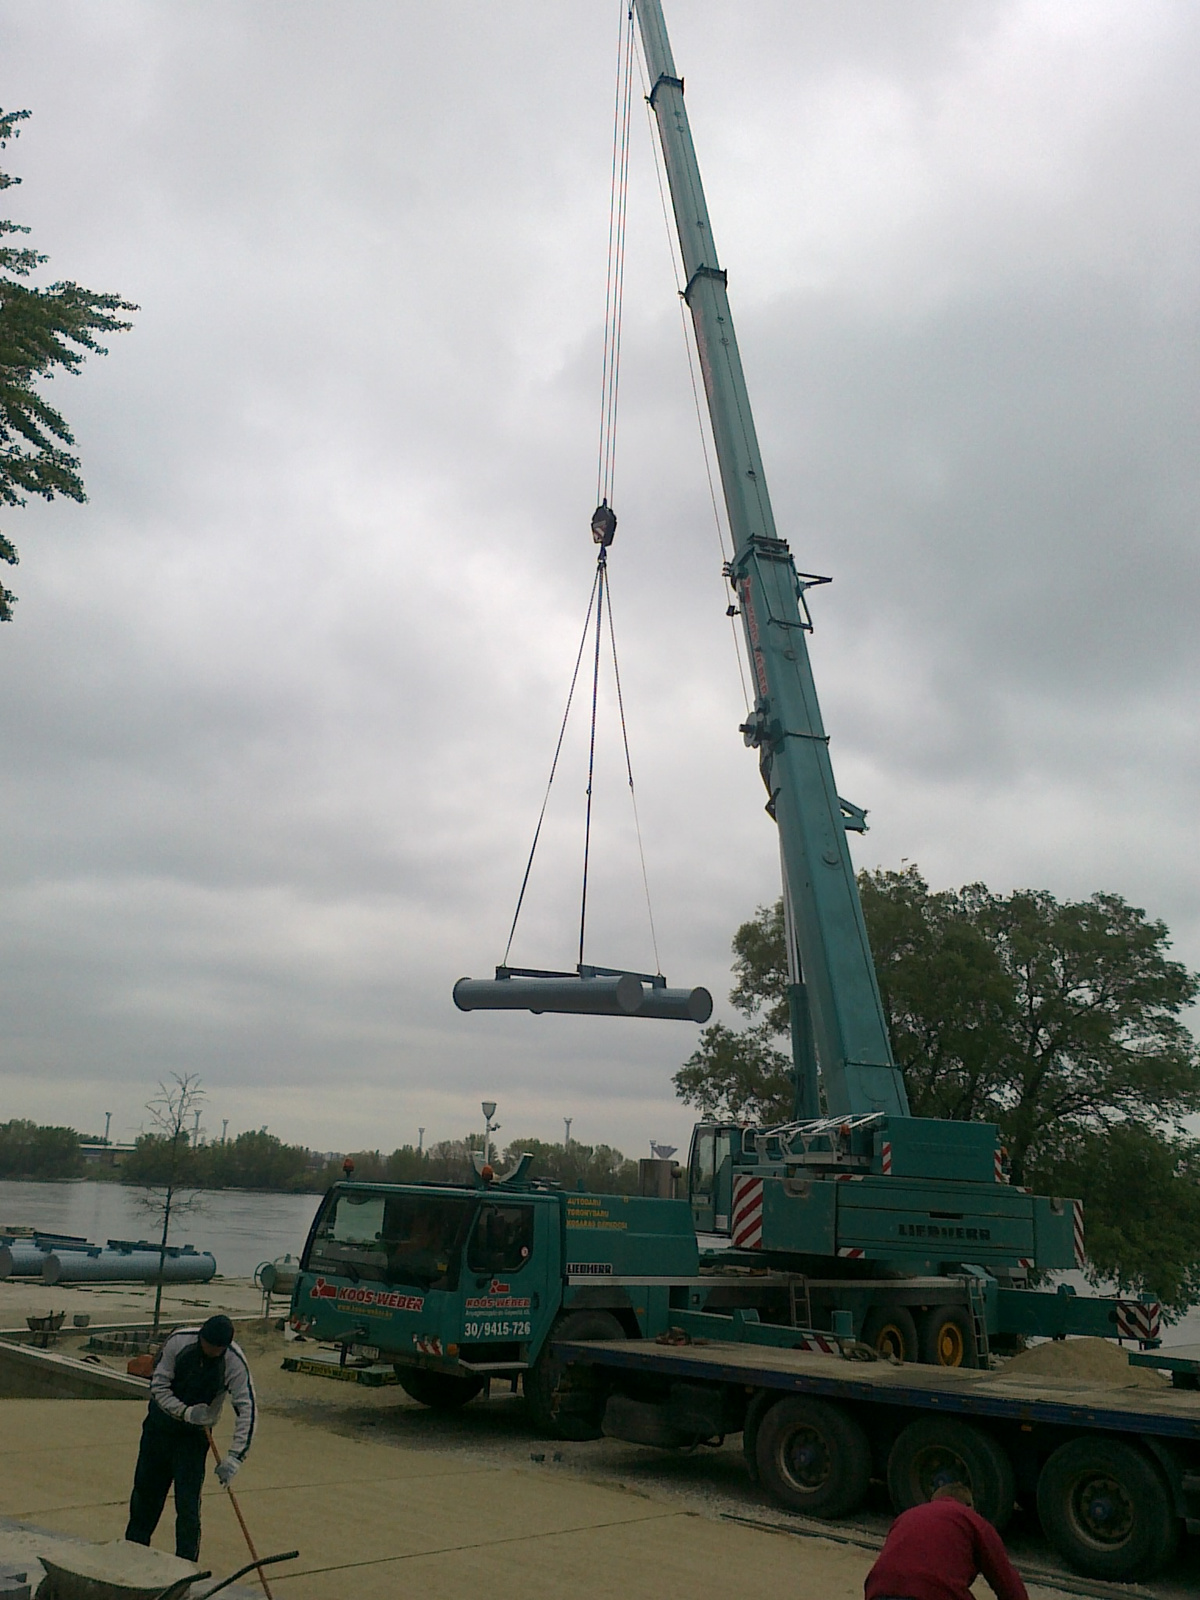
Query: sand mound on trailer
{"points": [[1092, 1360]]}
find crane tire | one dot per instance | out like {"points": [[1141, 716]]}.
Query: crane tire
{"points": [[566, 1402], [946, 1337], [934, 1451], [813, 1457], [891, 1331], [1106, 1509], [440, 1391]]}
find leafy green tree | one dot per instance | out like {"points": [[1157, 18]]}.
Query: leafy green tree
{"points": [[1141, 1198], [253, 1160], [599, 1168], [743, 1074], [41, 331], [1062, 1022], [28, 1150]]}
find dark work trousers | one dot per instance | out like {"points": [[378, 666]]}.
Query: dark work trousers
{"points": [[171, 1452]]}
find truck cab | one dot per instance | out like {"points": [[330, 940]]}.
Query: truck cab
{"points": [[463, 1282], [454, 1285]]}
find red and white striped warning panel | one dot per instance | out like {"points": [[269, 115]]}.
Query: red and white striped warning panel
{"points": [[427, 1345], [998, 1166], [1080, 1252], [1138, 1319], [885, 1158], [850, 1252], [746, 1228], [818, 1342]]}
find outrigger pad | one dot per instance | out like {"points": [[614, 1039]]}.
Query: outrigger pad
{"points": [[590, 991]]}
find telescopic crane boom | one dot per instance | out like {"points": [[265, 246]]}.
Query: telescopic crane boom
{"points": [[835, 1000]]}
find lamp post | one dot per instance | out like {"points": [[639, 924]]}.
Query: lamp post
{"points": [[488, 1108]]}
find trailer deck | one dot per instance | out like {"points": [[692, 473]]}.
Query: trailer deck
{"points": [[1171, 1413]]}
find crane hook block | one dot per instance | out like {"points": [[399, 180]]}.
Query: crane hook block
{"points": [[591, 991], [604, 524]]}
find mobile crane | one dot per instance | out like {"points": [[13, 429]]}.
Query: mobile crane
{"points": [[865, 1201], [852, 1227]]}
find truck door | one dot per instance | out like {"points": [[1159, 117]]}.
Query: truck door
{"points": [[709, 1179], [511, 1279]]}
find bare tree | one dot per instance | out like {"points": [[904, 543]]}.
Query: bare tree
{"points": [[177, 1103]]}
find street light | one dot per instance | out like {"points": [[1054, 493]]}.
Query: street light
{"points": [[488, 1108]]}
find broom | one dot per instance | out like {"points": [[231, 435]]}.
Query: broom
{"points": [[237, 1511]]}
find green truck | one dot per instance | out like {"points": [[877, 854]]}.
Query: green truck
{"points": [[456, 1285]]}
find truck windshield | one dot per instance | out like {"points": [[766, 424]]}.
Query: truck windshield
{"points": [[392, 1238]]}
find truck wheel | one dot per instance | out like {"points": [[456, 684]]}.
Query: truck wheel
{"points": [[813, 1457], [937, 1450], [566, 1402], [1106, 1510], [947, 1338], [441, 1391], [892, 1331]]}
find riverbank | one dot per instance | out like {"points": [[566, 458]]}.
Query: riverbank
{"points": [[116, 1304], [241, 1227]]}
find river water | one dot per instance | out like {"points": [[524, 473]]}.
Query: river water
{"points": [[240, 1226]]}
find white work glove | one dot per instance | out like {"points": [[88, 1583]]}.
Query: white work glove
{"points": [[226, 1470], [199, 1416]]}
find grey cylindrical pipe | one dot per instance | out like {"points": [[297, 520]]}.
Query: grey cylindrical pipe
{"points": [[25, 1258], [21, 1260], [676, 1005], [625, 996], [597, 997], [127, 1266]]}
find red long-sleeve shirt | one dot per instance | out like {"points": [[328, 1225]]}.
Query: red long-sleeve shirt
{"points": [[936, 1551]]}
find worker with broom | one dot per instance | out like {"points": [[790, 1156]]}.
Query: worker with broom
{"points": [[196, 1369]]}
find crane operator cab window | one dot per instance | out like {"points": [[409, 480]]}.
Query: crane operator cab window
{"points": [[502, 1239], [707, 1183], [413, 1239]]}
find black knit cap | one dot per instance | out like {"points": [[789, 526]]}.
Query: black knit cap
{"points": [[218, 1330]]}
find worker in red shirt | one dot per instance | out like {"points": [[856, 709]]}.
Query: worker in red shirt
{"points": [[936, 1551]]}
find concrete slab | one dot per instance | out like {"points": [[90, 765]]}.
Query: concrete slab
{"points": [[28, 1373], [373, 1518]]}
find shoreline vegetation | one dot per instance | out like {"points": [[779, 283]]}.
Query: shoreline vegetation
{"points": [[259, 1160]]}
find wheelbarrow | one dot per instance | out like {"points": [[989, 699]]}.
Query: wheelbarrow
{"points": [[121, 1571]]}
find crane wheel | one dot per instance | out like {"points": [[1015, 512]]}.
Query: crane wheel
{"points": [[440, 1391], [891, 1331], [1105, 1508], [934, 1451], [946, 1337], [566, 1402], [813, 1457]]}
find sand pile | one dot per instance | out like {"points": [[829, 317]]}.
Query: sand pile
{"points": [[1083, 1360]]}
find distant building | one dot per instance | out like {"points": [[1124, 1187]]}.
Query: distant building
{"points": [[100, 1154]]}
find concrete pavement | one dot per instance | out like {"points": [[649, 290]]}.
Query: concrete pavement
{"points": [[376, 1520]]}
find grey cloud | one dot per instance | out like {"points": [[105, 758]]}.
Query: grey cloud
{"points": [[279, 703]]}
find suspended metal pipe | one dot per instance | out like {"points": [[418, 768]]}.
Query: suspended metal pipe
{"points": [[589, 991]]}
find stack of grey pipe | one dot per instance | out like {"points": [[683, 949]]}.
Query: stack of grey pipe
{"points": [[58, 1260]]}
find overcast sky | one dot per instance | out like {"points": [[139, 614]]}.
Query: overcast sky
{"points": [[280, 701]]}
